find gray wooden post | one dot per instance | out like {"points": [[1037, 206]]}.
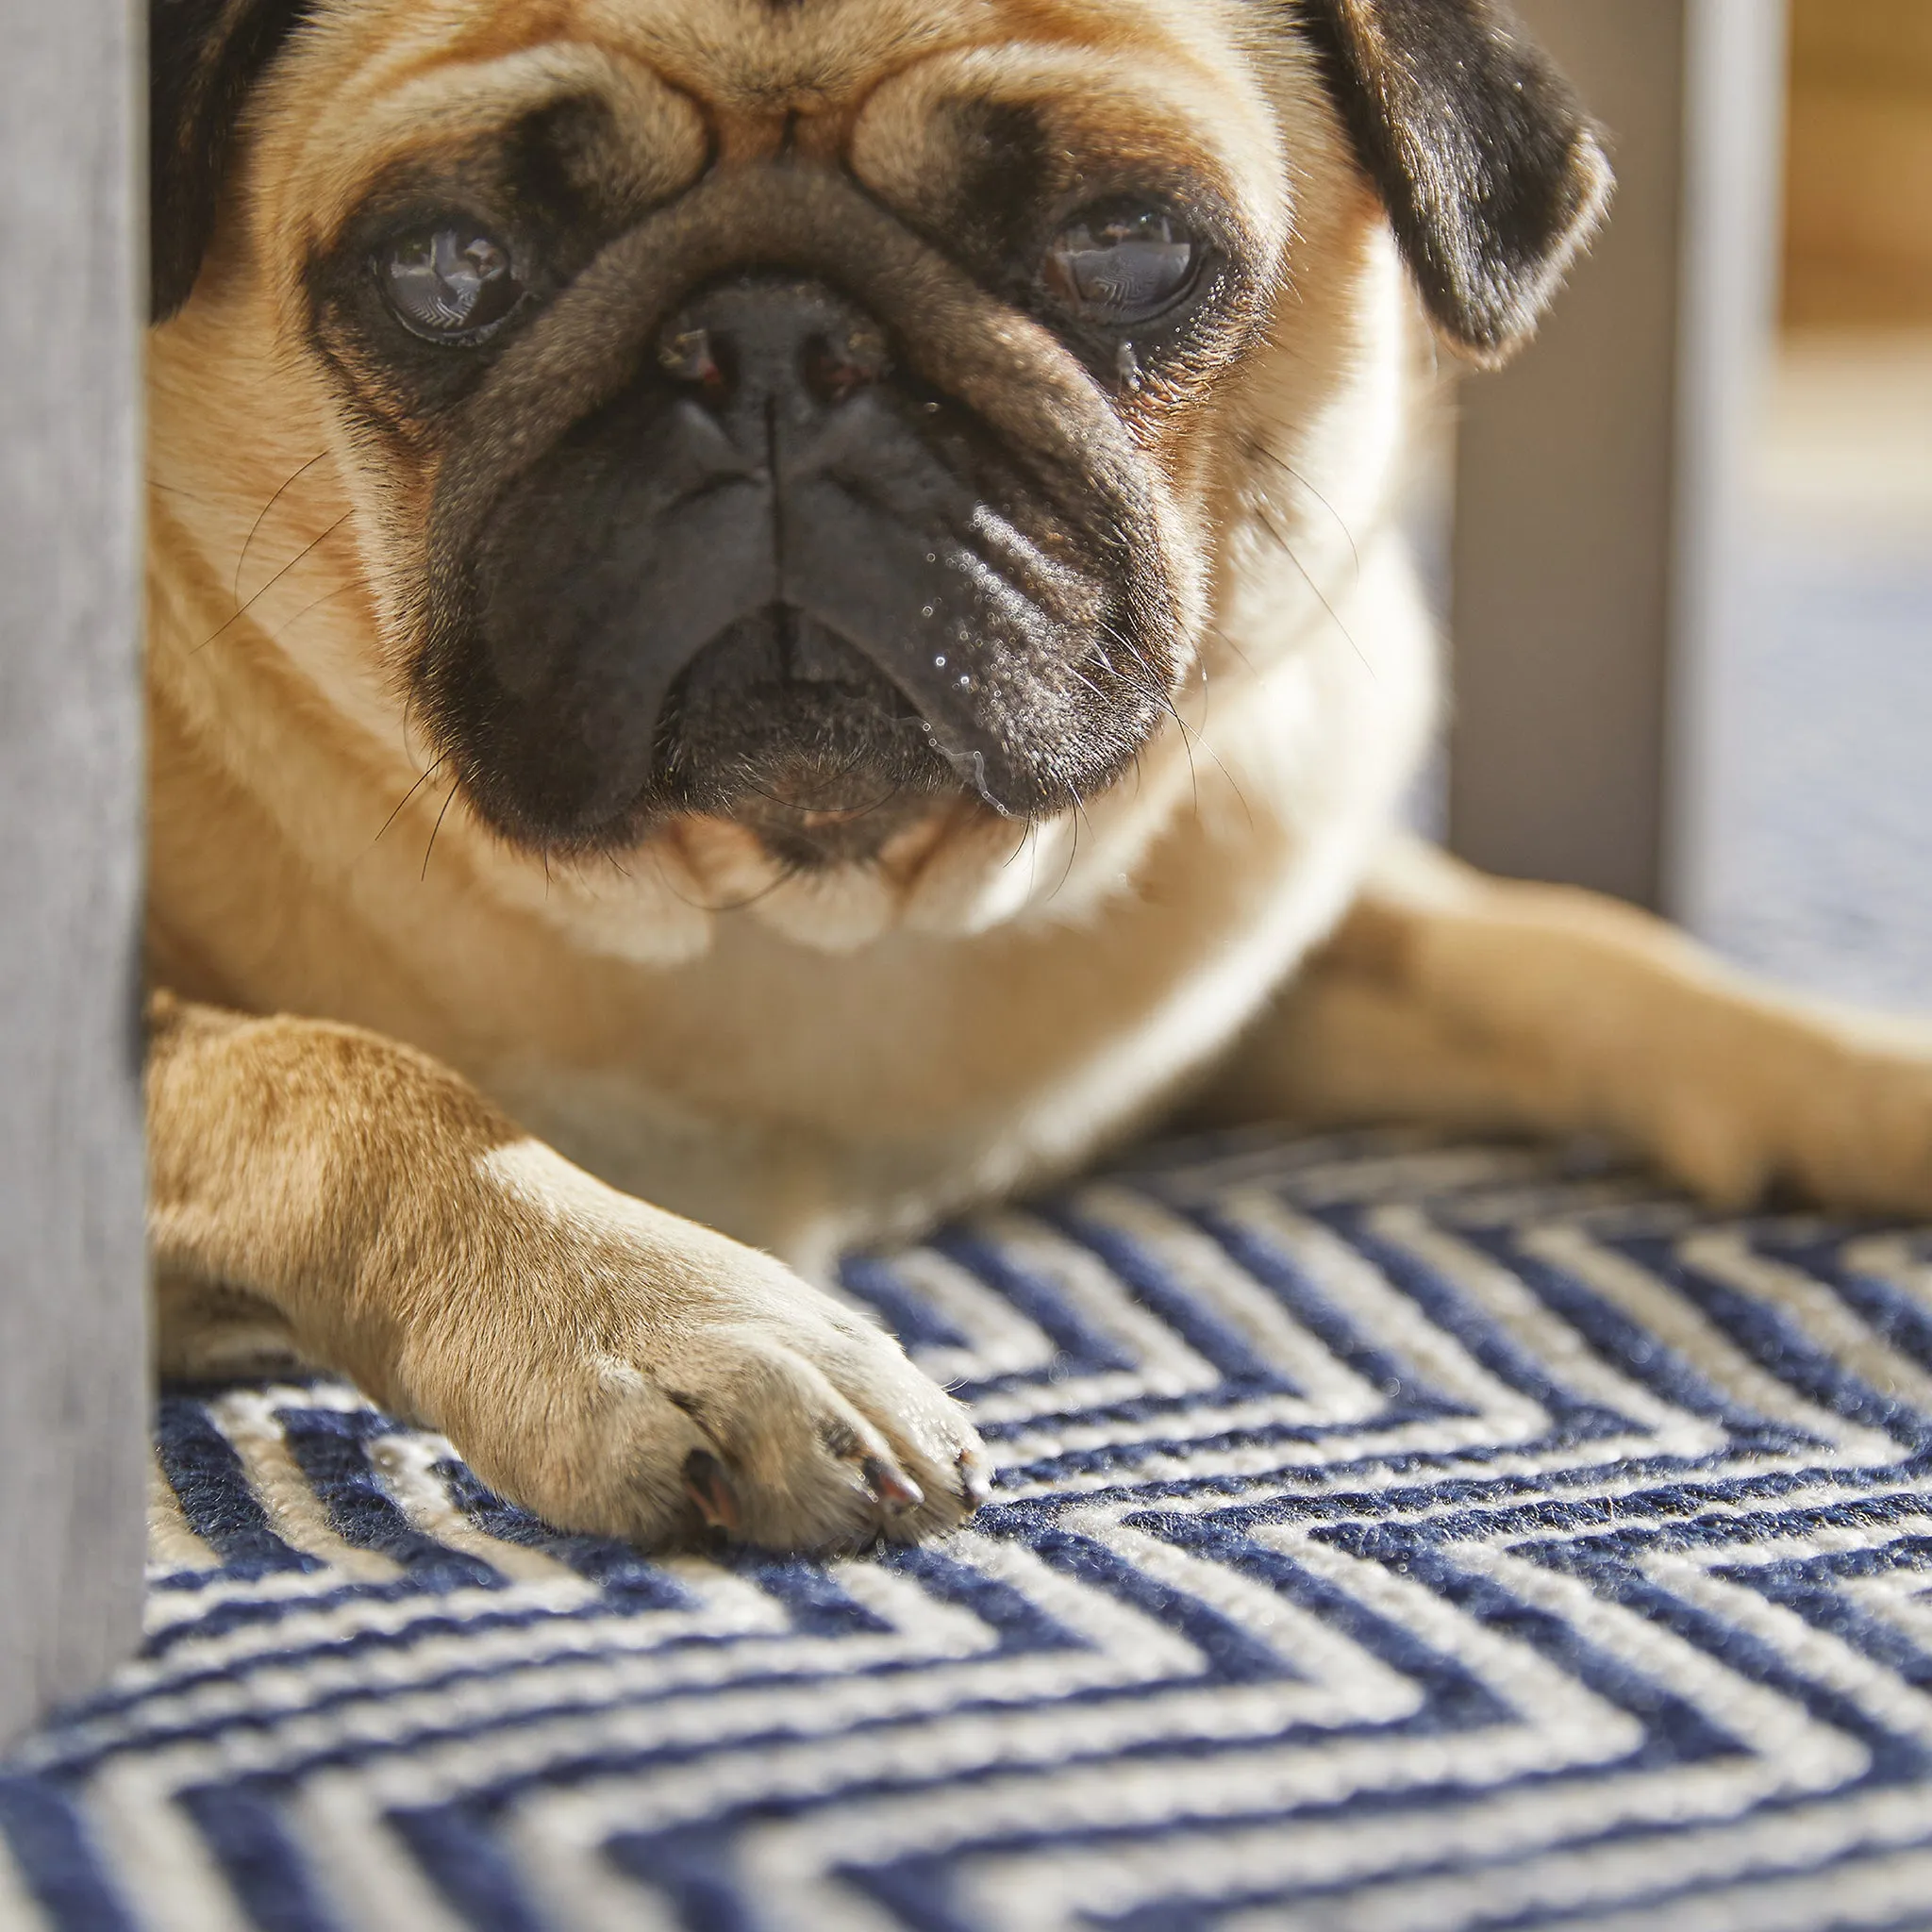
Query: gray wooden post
{"points": [[1597, 479], [73, 1396]]}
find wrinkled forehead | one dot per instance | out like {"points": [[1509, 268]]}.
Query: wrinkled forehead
{"points": [[371, 81], [799, 53]]}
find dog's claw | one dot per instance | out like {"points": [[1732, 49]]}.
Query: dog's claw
{"points": [[976, 1482], [892, 1489], [707, 1485]]}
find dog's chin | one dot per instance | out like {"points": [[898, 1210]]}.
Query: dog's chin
{"points": [[814, 754], [808, 817], [814, 811]]}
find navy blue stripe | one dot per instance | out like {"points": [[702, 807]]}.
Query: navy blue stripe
{"points": [[1171, 1915], [1687, 1529], [457, 1848], [1022, 1624], [1202, 1329], [919, 1892], [697, 1867], [814, 1600], [912, 1318], [1893, 1756], [329, 1446], [427, 1622], [58, 1859], [1676, 1731], [1312, 1306], [1136, 1408], [1626, 1347], [207, 1476], [1583, 1426], [1455, 1699], [1083, 1349], [221, 1618], [1800, 1586], [629, 1580], [1781, 1346], [245, 1833], [1233, 1655], [1451, 1309], [1892, 1313], [1655, 1900]]}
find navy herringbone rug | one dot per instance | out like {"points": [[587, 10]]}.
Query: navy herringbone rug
{"points": [[1388, 1538]]}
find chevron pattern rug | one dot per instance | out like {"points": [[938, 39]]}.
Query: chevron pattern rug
{"points": [[1390, 1536]]}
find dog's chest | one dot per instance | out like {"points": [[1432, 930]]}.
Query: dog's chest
{"points": [[799, 1098]]}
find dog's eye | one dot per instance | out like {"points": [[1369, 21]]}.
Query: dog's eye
{"points": [[450, 285], [1122, 264]]}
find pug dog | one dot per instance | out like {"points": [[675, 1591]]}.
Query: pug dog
{"points": [[771, 618]]}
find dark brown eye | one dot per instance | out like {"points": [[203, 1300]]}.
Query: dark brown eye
{"points": [[450, 285], [1122, 264]]}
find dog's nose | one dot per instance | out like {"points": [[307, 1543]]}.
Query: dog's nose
{"points": [[749, 345]]}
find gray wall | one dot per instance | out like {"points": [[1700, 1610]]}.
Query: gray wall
{"points": [[74, 1395], [1597, 476]]}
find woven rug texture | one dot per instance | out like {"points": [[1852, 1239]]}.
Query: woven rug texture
{"points": [[1388, 1536]]}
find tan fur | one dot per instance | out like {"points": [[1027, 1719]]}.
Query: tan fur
{"points": [[1480, 1003], [849, 1054]]}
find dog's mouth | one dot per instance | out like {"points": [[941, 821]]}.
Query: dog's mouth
{"points": [[787, 728], [818, 728]]}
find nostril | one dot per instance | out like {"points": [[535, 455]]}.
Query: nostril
{"points": [[842, 361], [696, 356]]}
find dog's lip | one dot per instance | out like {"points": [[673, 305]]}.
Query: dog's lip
{"points": [[827, 674], [893, 831]]}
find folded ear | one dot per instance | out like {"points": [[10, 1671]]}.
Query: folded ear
{"points": [[203, 58], [1492, 176]]}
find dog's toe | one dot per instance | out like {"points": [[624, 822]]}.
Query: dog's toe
{"points": [[822, 1439], [739, 1431], [930, 1434]]}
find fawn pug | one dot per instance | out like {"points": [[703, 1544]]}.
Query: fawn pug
{"points": [[770, 619]]}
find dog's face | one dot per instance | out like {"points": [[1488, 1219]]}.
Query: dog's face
{"points": [[820, 416]]}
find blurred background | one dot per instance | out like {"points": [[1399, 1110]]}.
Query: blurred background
{"points": [[1687, 540], [1821, 867]]}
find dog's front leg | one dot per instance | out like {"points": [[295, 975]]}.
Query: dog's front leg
{"points": [[612, 1366], [1453, 998]]}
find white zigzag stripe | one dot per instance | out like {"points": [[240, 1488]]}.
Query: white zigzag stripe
{"points": [[1657, 1864], [1383, 1313], [1202, 1268], [1561, 1724], [1660, 1312], [1790, 1754], [1528, 1635]]}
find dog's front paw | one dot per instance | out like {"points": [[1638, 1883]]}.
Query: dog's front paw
{"points": [[1865, 1143], [1838, 1113], [618, 1370]]}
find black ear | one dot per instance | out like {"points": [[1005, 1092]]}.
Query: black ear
{"points": [[1491, 173], [203, 58]]}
